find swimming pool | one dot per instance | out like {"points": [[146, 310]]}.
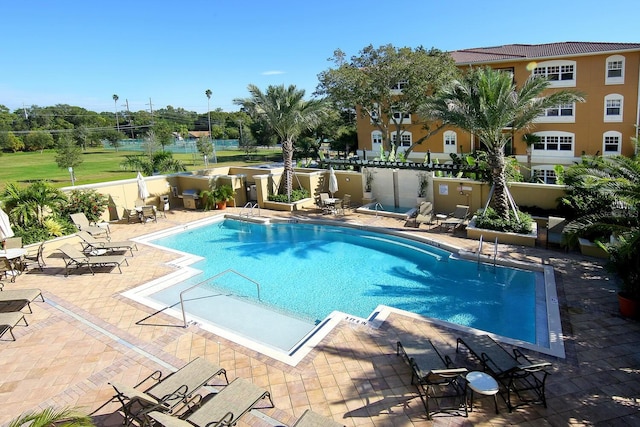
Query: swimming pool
{"points": [[399, 212], [307, 271]]}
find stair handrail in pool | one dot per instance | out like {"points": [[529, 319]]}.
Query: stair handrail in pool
{"points": [[250, 206], [229, 271]]}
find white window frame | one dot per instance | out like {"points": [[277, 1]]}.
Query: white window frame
{"points": [[609, 104], [614, 62], [397, 88], [557, 71], [554, 144], [544, 173], [558, 114], [450, 142], [374, 116], [406, 139], [608, 140], [376, 137], [406, 119]]}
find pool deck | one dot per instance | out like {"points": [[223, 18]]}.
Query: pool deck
{"points": [[87, 334]]}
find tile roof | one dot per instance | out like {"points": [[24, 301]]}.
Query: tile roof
{"points": [[526, 51]]}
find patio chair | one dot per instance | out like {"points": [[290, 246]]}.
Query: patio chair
{"points": [[516, 372], [34, 256], [425, 214], [313, 419], [74, 257], [149, 213], [456, 218], [435, 377], [555, 229], [223, 409], [10, 320], [323, 203], [13, 243], [166, 393], [346, 202], [9, 269], [90, 243], [22, 296], [81, 221]]}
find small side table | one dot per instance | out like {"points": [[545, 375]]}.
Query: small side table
{"points": [[484, 384], [440, 218]]}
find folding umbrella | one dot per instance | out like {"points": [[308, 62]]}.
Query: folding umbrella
{"points": [[143, 192], [333, 182], [5, 227]]}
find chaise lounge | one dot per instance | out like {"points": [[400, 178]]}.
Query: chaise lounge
{"points": [[515, 372], [456, 218], [223, 409], [434, 376], [313, 419], [166, 393], [90, 243], [74, 257], [81, 221], [22, 296], [10, 320]]}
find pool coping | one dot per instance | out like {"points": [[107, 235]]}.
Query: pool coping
{"points": [[375, 320]]}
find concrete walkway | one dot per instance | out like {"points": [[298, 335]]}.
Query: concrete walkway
{"points": [[86, 334]]}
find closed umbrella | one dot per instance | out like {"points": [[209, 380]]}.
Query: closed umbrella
{"points": [[333, 182], [143, 192], [5, 227]]}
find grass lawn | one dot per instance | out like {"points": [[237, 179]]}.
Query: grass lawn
{"points": [[101, 165]]}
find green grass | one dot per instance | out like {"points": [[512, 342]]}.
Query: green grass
{"points": [[101, 165]]}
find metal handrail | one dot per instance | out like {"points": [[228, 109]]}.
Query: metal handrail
{"points": [[495, 252], [480, 248], [184, 316]]}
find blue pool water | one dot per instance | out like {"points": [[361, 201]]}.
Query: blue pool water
{"points": [[311, 270]]}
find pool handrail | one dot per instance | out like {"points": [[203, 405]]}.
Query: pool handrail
{"points": [[230, 270]]}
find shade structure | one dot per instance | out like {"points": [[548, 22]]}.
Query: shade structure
{"points": [[143, 192], [5, 226], [333, 182]]}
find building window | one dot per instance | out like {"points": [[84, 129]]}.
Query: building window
{"points": [[450, 142], [564, 113], [374, 115], [615, 70], [611, 143], [613, 104], [400, 117], [405, 139], [376, 137], [545, 175], [400, 85], [560, 73], [554, 143]]}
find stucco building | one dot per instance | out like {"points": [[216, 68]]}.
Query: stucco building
{"points": [[607, 74]]}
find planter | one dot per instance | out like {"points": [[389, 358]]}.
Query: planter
{"points": [[629, 307], [587, 247], [221, 205], [367, 195], [509, 238]]}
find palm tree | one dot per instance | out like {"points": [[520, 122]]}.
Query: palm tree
{"points": [[32, 204], [486, 102], [286, 112], [51, 417], [115, 103], [158, 162], [208, 93]]}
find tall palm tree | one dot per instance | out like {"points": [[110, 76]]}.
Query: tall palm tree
{"points": [[158, 162], [115, 103], [208, 93], [29, 205], [286, 112], [486, 102]]}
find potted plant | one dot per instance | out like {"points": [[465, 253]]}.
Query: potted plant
{"points": [[624, 260], [423, 183], [368, 181], [222, 194]]}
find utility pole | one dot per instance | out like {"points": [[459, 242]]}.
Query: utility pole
{"points": [[130, 119], [151, 109]]}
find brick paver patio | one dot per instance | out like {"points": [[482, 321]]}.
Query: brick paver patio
{"points": [[86, 334]]}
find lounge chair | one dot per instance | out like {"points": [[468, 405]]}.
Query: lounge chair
{"points": [[323, 203], [434, 376], [13, 243], [346, 202], [22, 296], [425, 213], [313, 419], [10, 320], [223, 409], [456, 218], [166, 393], [90, 243], [515, 372], [555, 229], [149, 213], [74, 257], [9, 268], [81, 221], [34, 257]]}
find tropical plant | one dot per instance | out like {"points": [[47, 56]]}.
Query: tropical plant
{"points": [[295, 196], [486, 102], [89, 202], [223, 193], [31, 205], [423, 184], [518, 222], [287, 114], [49, 417], [368, 180], [159, 162]]}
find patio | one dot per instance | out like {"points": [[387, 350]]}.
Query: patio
{"points": [[86, 334]]}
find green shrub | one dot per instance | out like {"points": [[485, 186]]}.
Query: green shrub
{"points": [[491, 221], [90, 202], [295, 196]]}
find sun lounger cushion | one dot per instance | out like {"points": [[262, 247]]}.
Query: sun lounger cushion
{"points": [[9, 320], [25, 295]]}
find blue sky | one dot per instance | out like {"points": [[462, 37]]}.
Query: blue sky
{"points": [[82, 52]]}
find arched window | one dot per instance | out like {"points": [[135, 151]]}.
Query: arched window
{"points": [[450, 142], [613, 104], [611, 143], [614, 72]]}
